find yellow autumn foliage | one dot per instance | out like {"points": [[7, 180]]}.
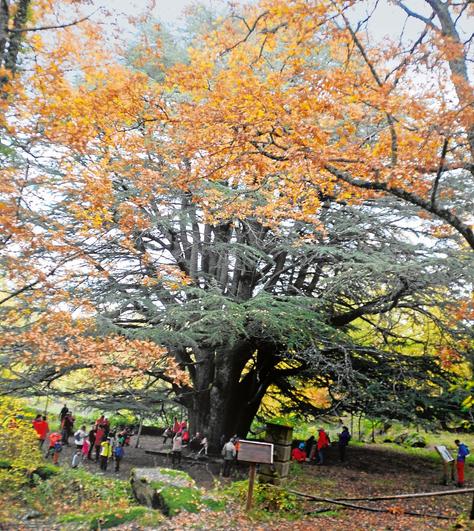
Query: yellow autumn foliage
{"points": [[19, 451]]}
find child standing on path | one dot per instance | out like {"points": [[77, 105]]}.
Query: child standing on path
{"points": [[85, 449], [105, 453], [119, 453], [53, 439], [57, 449]]}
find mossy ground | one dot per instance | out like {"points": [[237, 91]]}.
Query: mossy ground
{"points": [[66, 496], [184, 498]]}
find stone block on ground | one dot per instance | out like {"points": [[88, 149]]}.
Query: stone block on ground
{"points": [[170, 491]]}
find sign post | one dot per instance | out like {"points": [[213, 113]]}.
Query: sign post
{"points": [[254, 452], [252, 473]]}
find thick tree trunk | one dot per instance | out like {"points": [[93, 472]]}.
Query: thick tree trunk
{"points": [[226, 401]]}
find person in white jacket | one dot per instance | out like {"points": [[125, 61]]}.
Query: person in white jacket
{"points": [[79, 437]]}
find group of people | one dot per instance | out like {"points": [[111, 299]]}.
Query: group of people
{"points": [[314, 450], [107, 444], [180, 437], [100, 440]]}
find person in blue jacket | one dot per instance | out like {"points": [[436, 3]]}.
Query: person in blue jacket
{"points": [[344, 438], [463, 452]]}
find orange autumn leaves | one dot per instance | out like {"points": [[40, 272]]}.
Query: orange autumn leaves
{"points": [[280, 95], [59, 341], [267, 103]]}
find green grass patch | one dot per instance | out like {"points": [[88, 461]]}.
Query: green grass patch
{"points": [[46, 471], [5, 464], [139, 515]]}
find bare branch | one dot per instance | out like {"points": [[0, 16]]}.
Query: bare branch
{"points": [[58, 26]]}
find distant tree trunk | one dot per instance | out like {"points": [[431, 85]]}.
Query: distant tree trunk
{"points": [[360, 433], [140, 427]]}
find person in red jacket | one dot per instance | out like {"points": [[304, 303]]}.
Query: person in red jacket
{"points": [[41, 427], [322, 444], [54, 445], [186, 436], [176, 425], [298, 453]]}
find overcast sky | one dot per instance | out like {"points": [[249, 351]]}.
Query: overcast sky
{"points": [[387, 19], [166, 10]]}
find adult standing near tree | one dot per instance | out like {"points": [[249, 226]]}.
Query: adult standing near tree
{"points": [[344, 438], [228, 453], [323, 443], [463, 452]]}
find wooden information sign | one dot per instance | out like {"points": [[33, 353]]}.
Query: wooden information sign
{"points": [[255, 452], [445, 454]]}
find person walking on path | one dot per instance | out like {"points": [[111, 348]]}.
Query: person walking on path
{"points": [[323, 443], [228, 453], [105, 453], [463, 452], [177, 449], [344, 438]]}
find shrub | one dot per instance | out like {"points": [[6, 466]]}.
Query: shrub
{"points": [[19, 452]]}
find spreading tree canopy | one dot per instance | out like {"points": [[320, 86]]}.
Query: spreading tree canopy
{"points": [[284, 205]]}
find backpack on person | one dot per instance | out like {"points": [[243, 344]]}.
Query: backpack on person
{"points": [[58, 447]]}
